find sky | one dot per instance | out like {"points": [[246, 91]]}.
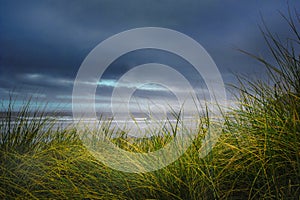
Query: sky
{"points": [[44, 43]]}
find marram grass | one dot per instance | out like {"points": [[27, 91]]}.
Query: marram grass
{"points": [[256, 157]]}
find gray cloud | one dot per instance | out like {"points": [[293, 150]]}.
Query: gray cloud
{"points": [[44, 42]]}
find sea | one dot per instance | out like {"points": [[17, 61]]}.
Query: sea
{"points": [[136, 126]]}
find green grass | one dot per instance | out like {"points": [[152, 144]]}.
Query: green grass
{"points": [[256, 157]]}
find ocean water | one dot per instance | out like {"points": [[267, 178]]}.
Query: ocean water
{"points": [[136, 127]]}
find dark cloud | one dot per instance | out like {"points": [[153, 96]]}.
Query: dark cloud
{"points": [[51, 38]]}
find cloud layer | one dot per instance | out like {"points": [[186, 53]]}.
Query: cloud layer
{"points": [[43, 43]]}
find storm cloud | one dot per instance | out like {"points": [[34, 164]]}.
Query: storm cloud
{"points": [[43, 43]]}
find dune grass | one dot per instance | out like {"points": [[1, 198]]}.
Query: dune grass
{"points": [[256, 157]]}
